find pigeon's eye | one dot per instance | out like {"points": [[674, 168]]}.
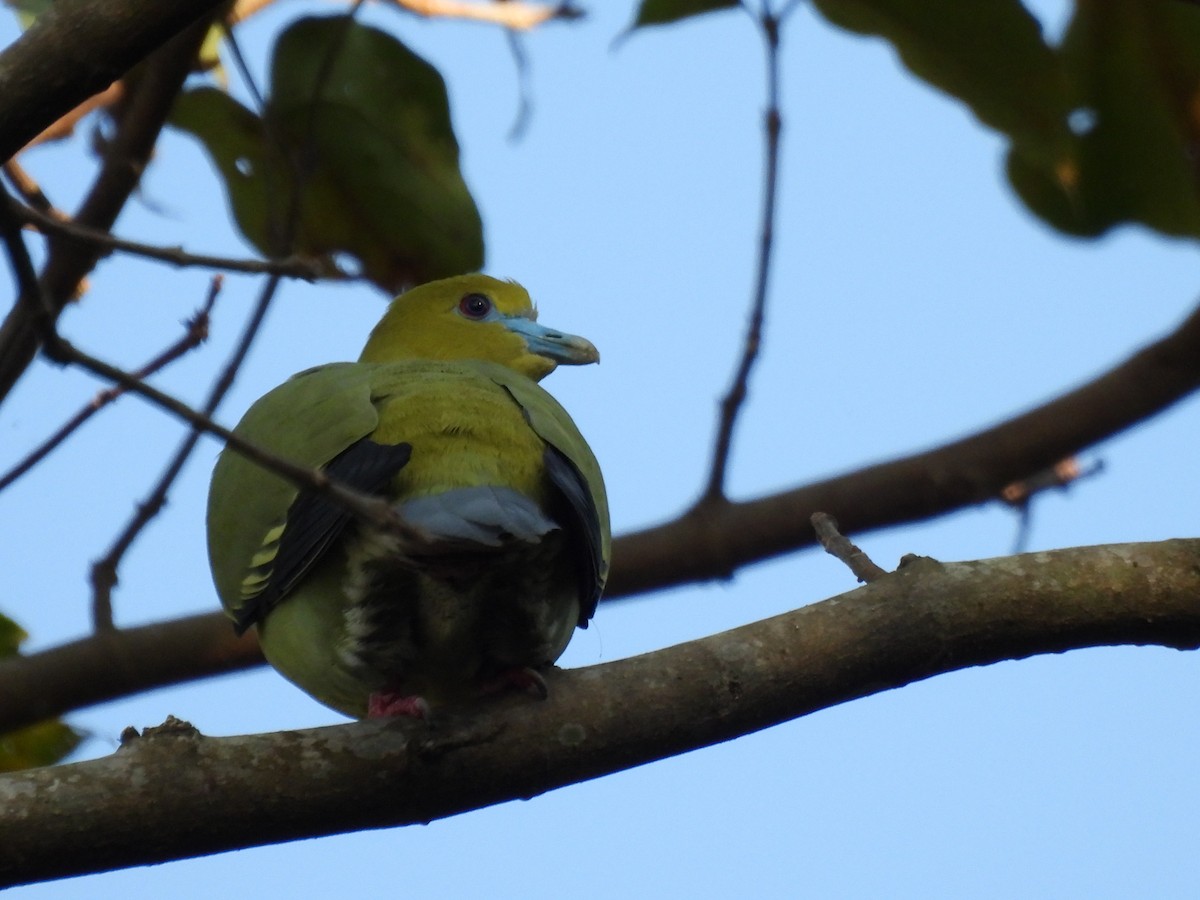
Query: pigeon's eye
{"points": [[475, 306]]}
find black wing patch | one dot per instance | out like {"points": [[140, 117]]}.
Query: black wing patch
{"points": [[314, 522], [585, 524]]}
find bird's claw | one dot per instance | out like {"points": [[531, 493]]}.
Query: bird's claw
{"points": [[521, 678], [387, 704]]}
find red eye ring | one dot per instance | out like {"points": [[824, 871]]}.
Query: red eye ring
{"points": [[475, 306]]}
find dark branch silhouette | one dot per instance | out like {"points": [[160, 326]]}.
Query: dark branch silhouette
{"points": [[731, 404]]}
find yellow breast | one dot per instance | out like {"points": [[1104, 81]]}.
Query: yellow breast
{"points": [[465, 430]]}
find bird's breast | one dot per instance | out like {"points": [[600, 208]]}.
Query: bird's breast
{"points": [[465, 431]]}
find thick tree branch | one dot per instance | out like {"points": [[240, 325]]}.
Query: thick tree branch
{"points": [[173, 793], [77, 49], [712, 542], [112, 664]]}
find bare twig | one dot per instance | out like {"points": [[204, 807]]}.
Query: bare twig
{"points": [[1060, 475], [197, 332], [733, 400], [524, 89], [839, 546], [104, 571], [243, 68], [282, 230], [64, 126], [1019, 494], [377, 512], [513, 14], [291, 267], [28, 289], [30, 191]]}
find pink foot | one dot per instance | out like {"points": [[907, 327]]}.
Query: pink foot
{"points": [[386, 704], [521, 678]]}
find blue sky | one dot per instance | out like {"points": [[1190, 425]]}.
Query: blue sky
{"points": [[913, 300]]}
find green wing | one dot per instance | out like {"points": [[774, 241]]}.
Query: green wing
{"points": [[574, 471], [262, 536]]}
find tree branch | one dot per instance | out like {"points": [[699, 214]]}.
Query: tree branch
{"points": [[292, 266], [731, 404], [174, 793], [196, 333], [111, 664], [148, 103], [714, 540], [104, 570], [77, 49]]}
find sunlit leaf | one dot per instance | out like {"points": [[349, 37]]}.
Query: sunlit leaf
{"points": [[366, 123], [42, 744], [38, 745], [11, 636], [28, 10], [209, 57]]}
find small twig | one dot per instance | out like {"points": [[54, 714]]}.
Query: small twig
{"points": [[513, 14], [292, 266], [788, 8], [104, 571], [30, 191], [281, 232], [197, 332], [29, 289], [524, 91], [64, 127], [243, 67], [371, 509], [733, 400], [1019, 494], [838, 545], [1060, 475]]}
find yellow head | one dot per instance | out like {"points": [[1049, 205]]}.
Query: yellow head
{"points": [[473, 317]]}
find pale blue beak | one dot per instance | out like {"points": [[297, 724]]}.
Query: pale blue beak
{"points": [[563, 348]]}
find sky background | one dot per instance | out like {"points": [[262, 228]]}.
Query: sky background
{"points": [[913, 300]]}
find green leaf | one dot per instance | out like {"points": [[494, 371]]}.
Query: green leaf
{"points": [[662, 12], [369, 122], [988, 53], [28, 10], [1133, 67], [12, 636], [37, 745], [42, 744], [1101, 129]]}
